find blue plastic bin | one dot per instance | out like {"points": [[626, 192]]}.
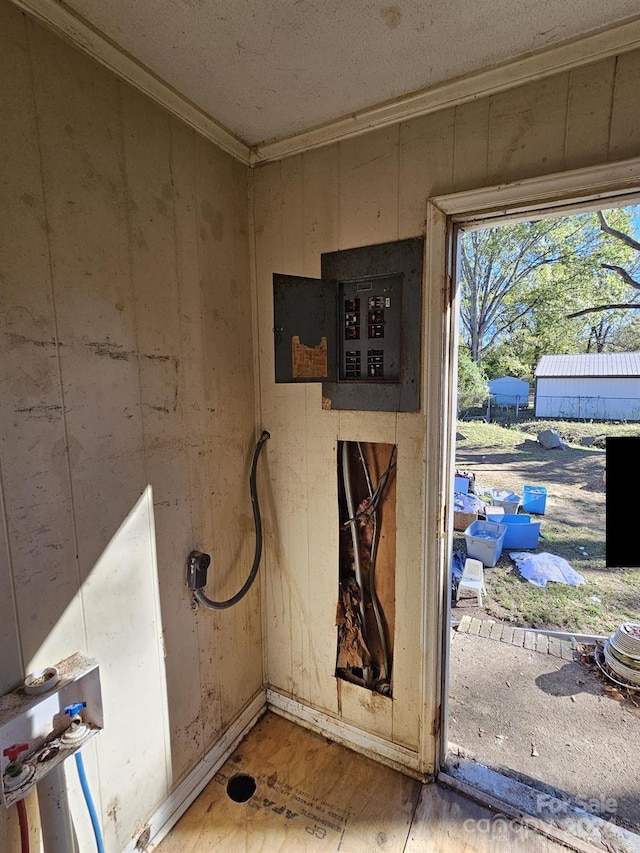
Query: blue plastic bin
{"points": [[534, 499], [521, 532], [484, 541], [461, 485]]}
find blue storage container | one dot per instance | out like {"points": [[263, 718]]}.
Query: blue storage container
{"points": [[460, 485], [534, 499], [484, 541], [521, 532]]}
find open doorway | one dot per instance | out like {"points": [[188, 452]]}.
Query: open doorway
{"points": [[503, 627]]}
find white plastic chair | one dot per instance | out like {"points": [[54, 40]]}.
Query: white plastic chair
{"points": [[473, 579]]}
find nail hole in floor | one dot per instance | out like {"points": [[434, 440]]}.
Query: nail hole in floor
{"points": [[241, 787]]}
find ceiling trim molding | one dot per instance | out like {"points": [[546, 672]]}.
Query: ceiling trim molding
{"points": [[68, 24], [73, 28], [481, 84], [559, 190]]}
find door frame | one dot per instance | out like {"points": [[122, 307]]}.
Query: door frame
{"points": [[447, 216]]}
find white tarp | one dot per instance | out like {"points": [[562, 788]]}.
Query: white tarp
{"points": [[540, 568]]}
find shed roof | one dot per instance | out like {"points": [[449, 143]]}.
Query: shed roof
{"points": [[508, 380], [592, 364]]}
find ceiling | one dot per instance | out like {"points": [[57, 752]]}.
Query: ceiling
{"points": [[268, 69]]}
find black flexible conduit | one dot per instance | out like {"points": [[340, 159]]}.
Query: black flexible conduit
{"points": [[257, 521]]}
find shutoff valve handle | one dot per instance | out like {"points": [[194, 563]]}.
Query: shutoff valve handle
{"points": [[74, 710], [13, 752]]}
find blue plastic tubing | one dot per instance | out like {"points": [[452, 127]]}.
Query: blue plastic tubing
{"points": [[89, 801]]}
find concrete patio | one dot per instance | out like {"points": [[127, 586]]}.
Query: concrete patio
{"points": [[519, 702]]}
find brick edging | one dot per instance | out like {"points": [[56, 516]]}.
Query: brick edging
{"points": [[491, 629]]}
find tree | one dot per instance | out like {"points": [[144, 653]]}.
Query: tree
{"points": [[507, 359], [625, 274], [472, 383], [528, 288], [628, 240], [498, 275]]}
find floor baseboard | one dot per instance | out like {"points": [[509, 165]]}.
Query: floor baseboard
{"points": [[379, 749], [177, 803]]}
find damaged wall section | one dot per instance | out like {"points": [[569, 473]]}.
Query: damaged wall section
{"points": [[365, 614]]}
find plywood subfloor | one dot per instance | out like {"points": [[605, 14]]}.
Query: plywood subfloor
{"points": [[315, 795]]}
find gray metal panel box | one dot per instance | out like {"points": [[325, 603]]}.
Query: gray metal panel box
{"points": [[357, 330], [393, 273]]}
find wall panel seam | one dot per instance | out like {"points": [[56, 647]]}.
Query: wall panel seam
{"points": [[566, 116], [614, 89], [148, 488], [28, 25], [12, 577], [192, 141]]}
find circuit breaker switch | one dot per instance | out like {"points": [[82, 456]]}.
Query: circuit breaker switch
{"points": [[375, 364]]}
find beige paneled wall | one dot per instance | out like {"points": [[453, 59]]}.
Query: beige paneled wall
{"points": [[362, 191], [128, 401], [126, 416]]}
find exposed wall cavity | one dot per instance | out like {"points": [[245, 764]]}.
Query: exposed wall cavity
{"points": [[366, 597]]}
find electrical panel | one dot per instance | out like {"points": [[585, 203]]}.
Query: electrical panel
{"points": [[357, 329]]}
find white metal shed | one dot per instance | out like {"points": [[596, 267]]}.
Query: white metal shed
{"points": [[509, 391], [601, 386]]}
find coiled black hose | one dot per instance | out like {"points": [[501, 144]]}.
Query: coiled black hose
{"points": [[257, 521]]}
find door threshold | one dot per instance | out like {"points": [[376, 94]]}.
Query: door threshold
{"points": [[559, 819]]}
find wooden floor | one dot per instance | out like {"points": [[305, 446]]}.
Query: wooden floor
{"points": [[314, 795]]}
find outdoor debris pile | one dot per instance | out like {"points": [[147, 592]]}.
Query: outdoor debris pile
{"points": [[538, 569], [622, 653], [592, 658], [490, 520], [506, 527]]}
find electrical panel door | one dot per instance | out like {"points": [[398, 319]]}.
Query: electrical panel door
{"points": [[357, 329], [304, 329]]}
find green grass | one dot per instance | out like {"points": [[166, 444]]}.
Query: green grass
{"points": [[479, 435], [573, 431], [512, 599], [609, 596]]}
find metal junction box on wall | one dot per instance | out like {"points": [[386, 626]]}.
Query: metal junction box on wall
{"points": [[357, 329]]}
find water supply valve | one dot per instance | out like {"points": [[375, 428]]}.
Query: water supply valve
{"points": [[16, 773], [14, 768], [73, 711], [77, 730], [37, 718]]}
